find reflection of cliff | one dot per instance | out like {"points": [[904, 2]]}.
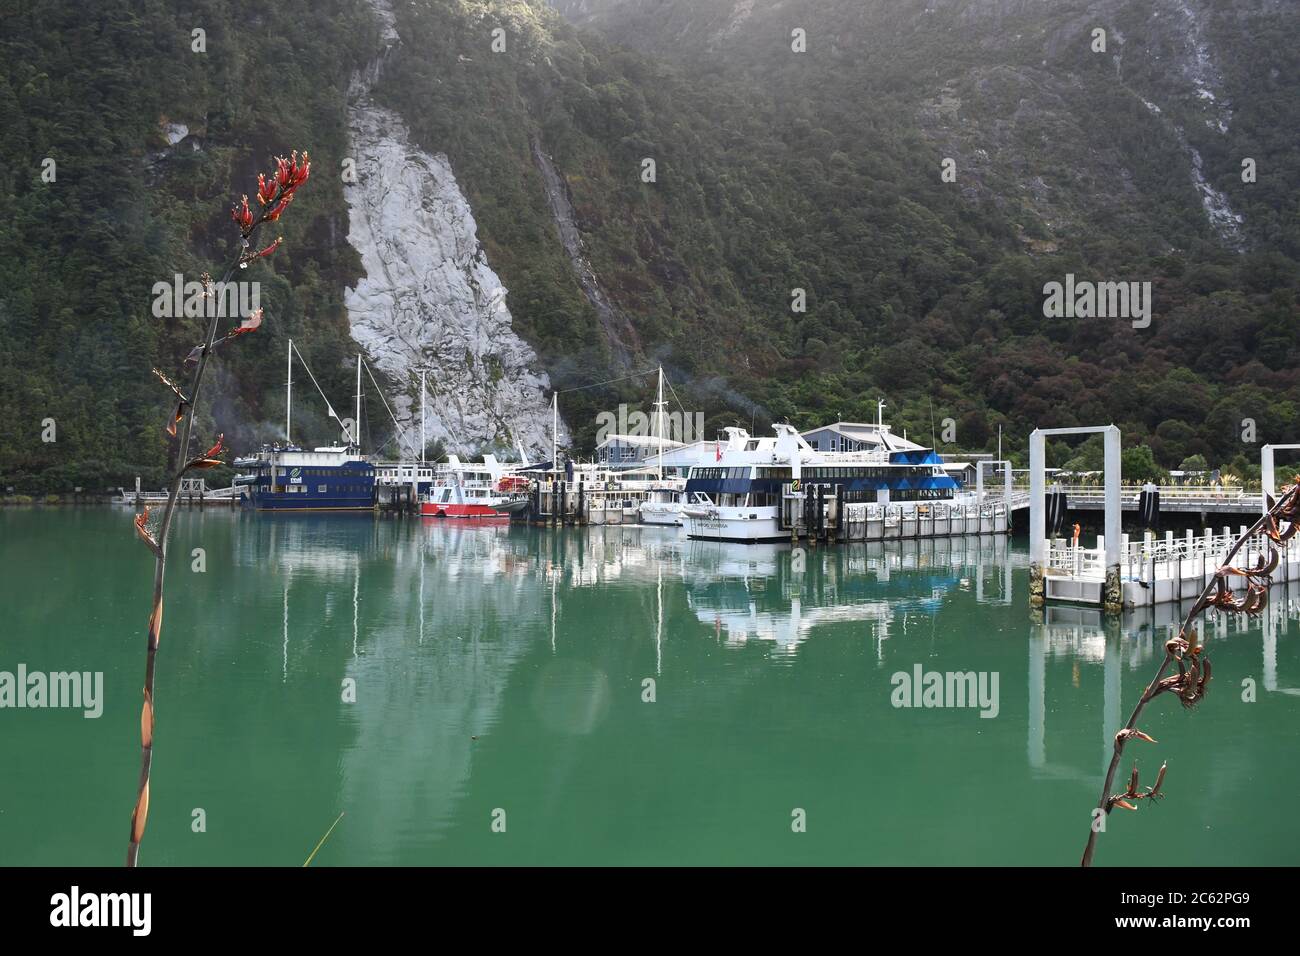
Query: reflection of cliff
{"points": [[462, 607]]}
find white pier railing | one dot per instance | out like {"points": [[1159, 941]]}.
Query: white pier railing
{"points": [[1158, 569]]}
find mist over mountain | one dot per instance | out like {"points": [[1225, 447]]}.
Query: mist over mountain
{"points": [[606, 185]]}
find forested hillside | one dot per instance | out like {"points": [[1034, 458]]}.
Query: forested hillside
{"points": [[774, 171], [94, 88]]}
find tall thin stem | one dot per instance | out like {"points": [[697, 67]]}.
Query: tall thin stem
{"points": [[1197, 606], [140, 814]]}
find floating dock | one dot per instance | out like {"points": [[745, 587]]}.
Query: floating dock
{"points": [[813, 517], [1157, 570]]}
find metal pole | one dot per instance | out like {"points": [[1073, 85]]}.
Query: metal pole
{"points": [[660, 405], [422, 438], [288, 397], [357, 426]]}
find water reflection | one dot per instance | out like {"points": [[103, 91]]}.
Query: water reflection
{"points": [[500, 666], [1129, 647]]}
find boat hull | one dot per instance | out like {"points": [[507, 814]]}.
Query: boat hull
{"points": [[453, 510], [662, 514], [739, 527], [294, 503]]}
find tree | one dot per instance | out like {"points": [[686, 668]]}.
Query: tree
{"points": [[1139, 464]]}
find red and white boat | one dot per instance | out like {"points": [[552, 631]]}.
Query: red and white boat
{"points": [[486, 490]]}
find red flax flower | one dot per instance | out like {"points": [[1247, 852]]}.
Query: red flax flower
{"points": [[250, 324], [142, 529], [181, 402], [266, 189], [279, 207], [246, 257], [289, 174], [243, 215], [209, 459], [271, 248]]}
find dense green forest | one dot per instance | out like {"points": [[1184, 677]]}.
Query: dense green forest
{"points": [[91, 87], [775, 171]]}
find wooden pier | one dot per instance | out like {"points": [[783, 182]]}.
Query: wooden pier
{"points": [[193, 493]]}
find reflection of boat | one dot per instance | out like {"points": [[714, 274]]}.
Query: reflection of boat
{"points": [[473, 491]]}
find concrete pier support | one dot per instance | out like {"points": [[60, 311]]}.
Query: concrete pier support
{"points": [[1267, 480], [1112, 593]]}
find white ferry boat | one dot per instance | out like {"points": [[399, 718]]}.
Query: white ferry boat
{"points": [[739, 496]]}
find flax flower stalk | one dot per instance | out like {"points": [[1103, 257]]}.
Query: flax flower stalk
{"points": [[1190, 683], [287, 179]]}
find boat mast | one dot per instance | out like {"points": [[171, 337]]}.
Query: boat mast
{"points": [[422, 371], [659, 405], [555, 429], [357, 426], [288, 397]]}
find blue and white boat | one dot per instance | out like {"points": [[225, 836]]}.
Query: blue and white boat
{"points": [[289, 478], [739, 495]]}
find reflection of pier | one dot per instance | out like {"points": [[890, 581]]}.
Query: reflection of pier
{"points": [[1132, 641]]}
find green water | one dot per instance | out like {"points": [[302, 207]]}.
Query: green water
{"points": [[502, 668]]}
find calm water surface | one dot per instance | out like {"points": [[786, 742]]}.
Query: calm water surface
{"points": [[504, 668]]}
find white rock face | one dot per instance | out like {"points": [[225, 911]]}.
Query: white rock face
{"points": [[429, 298]]}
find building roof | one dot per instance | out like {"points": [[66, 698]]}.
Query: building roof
{"points": [[867, 432], [650, 441]]}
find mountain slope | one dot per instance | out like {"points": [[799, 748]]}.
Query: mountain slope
{"points": [[775, 171]]}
